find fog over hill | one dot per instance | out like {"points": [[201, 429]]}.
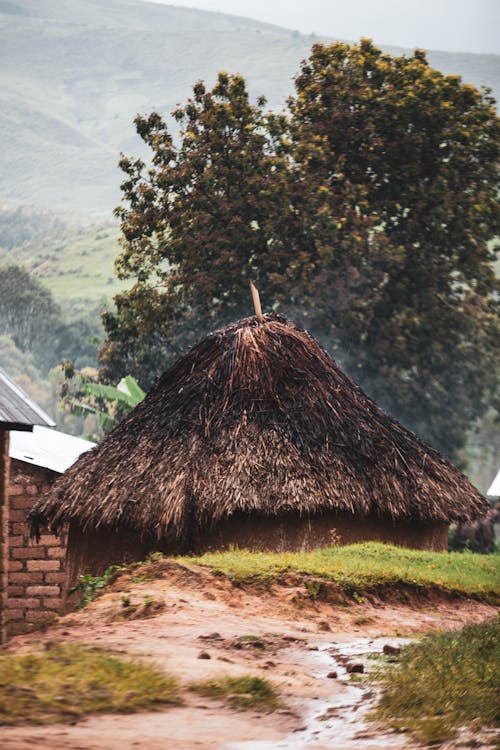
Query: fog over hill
{"points": [[75, 73]]}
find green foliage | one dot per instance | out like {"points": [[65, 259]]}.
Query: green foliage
{"points": [[361, 568], [92, 586], [314, 587], [367, 213], [206, 217], [245, 692], [30, 316], [73, 680], [446, 681], [82, 395], [27, 312], [77, 266], [416, 152]]}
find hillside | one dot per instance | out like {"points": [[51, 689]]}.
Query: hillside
{"points": [[75, 263], [75, 73]]}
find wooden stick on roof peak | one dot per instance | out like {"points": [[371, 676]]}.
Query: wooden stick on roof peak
{"points": [[256, 301]]}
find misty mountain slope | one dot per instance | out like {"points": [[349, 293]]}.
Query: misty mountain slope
{"points": [[75, 73]]}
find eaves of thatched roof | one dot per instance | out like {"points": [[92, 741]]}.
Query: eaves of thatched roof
{"points": [[257, 418]]}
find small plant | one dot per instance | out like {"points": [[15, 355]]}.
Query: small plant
{"points": [[358, 598], [335, 538], [92, 585], [241, 692], [149, 608], [154, 557], [249, 641], [248, 638], [314, 587]]}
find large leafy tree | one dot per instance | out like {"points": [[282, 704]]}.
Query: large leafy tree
{"points": [[366, 212], [419, 152], [225, 206], [199, 222]]}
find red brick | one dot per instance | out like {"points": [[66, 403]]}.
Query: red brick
{"points": [[20, 528], [27, 577], [49, 540], [15, 490], [17, 516], [55, 577], [13, 603], [39, 616], [33, 489], [33, 553], [45, 565], [15, 566], [56, 553], [17, 628], [43, 590], [21, 502], [55, 603], [15, 590], [16, 541], [15, 614]]}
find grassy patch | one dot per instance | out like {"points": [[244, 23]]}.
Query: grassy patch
{"points": [[76, 265], [241, 692], [69, 681], [445, 681], [361, 568]]}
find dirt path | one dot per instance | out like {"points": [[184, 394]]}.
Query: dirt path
{"points": [[294, 642]]}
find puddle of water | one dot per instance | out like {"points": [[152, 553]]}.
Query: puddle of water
{"points": [[338, 721]]}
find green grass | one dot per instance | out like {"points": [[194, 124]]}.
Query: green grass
{"points": [[364, 568], [445, 681], [77, 266], [241, 692], [67, 682]]}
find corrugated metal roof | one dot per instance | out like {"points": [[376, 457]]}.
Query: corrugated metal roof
{"points": [[17, 409], [494, 489], [48, 448]]}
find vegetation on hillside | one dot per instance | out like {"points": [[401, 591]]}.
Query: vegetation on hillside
{"points": [[31, 317], [37, 337], [21, 224], [75, 264], [444, 682]]}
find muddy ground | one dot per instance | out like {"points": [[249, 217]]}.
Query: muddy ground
{"points": [[296, 642]]}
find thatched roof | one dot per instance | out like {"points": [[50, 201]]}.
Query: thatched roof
{"points": [[256, 418]]}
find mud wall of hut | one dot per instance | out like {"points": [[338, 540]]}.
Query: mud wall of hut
{"points": [[36, 572]]}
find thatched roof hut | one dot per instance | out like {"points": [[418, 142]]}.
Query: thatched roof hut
{"points": [[258, 422]]}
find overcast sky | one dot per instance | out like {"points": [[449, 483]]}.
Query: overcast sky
{"points": [[465, 25]]}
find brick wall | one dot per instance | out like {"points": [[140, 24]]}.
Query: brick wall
{"points": [[37, 573]]}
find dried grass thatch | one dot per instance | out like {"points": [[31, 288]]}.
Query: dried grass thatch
{"points": [[257, 418]]}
